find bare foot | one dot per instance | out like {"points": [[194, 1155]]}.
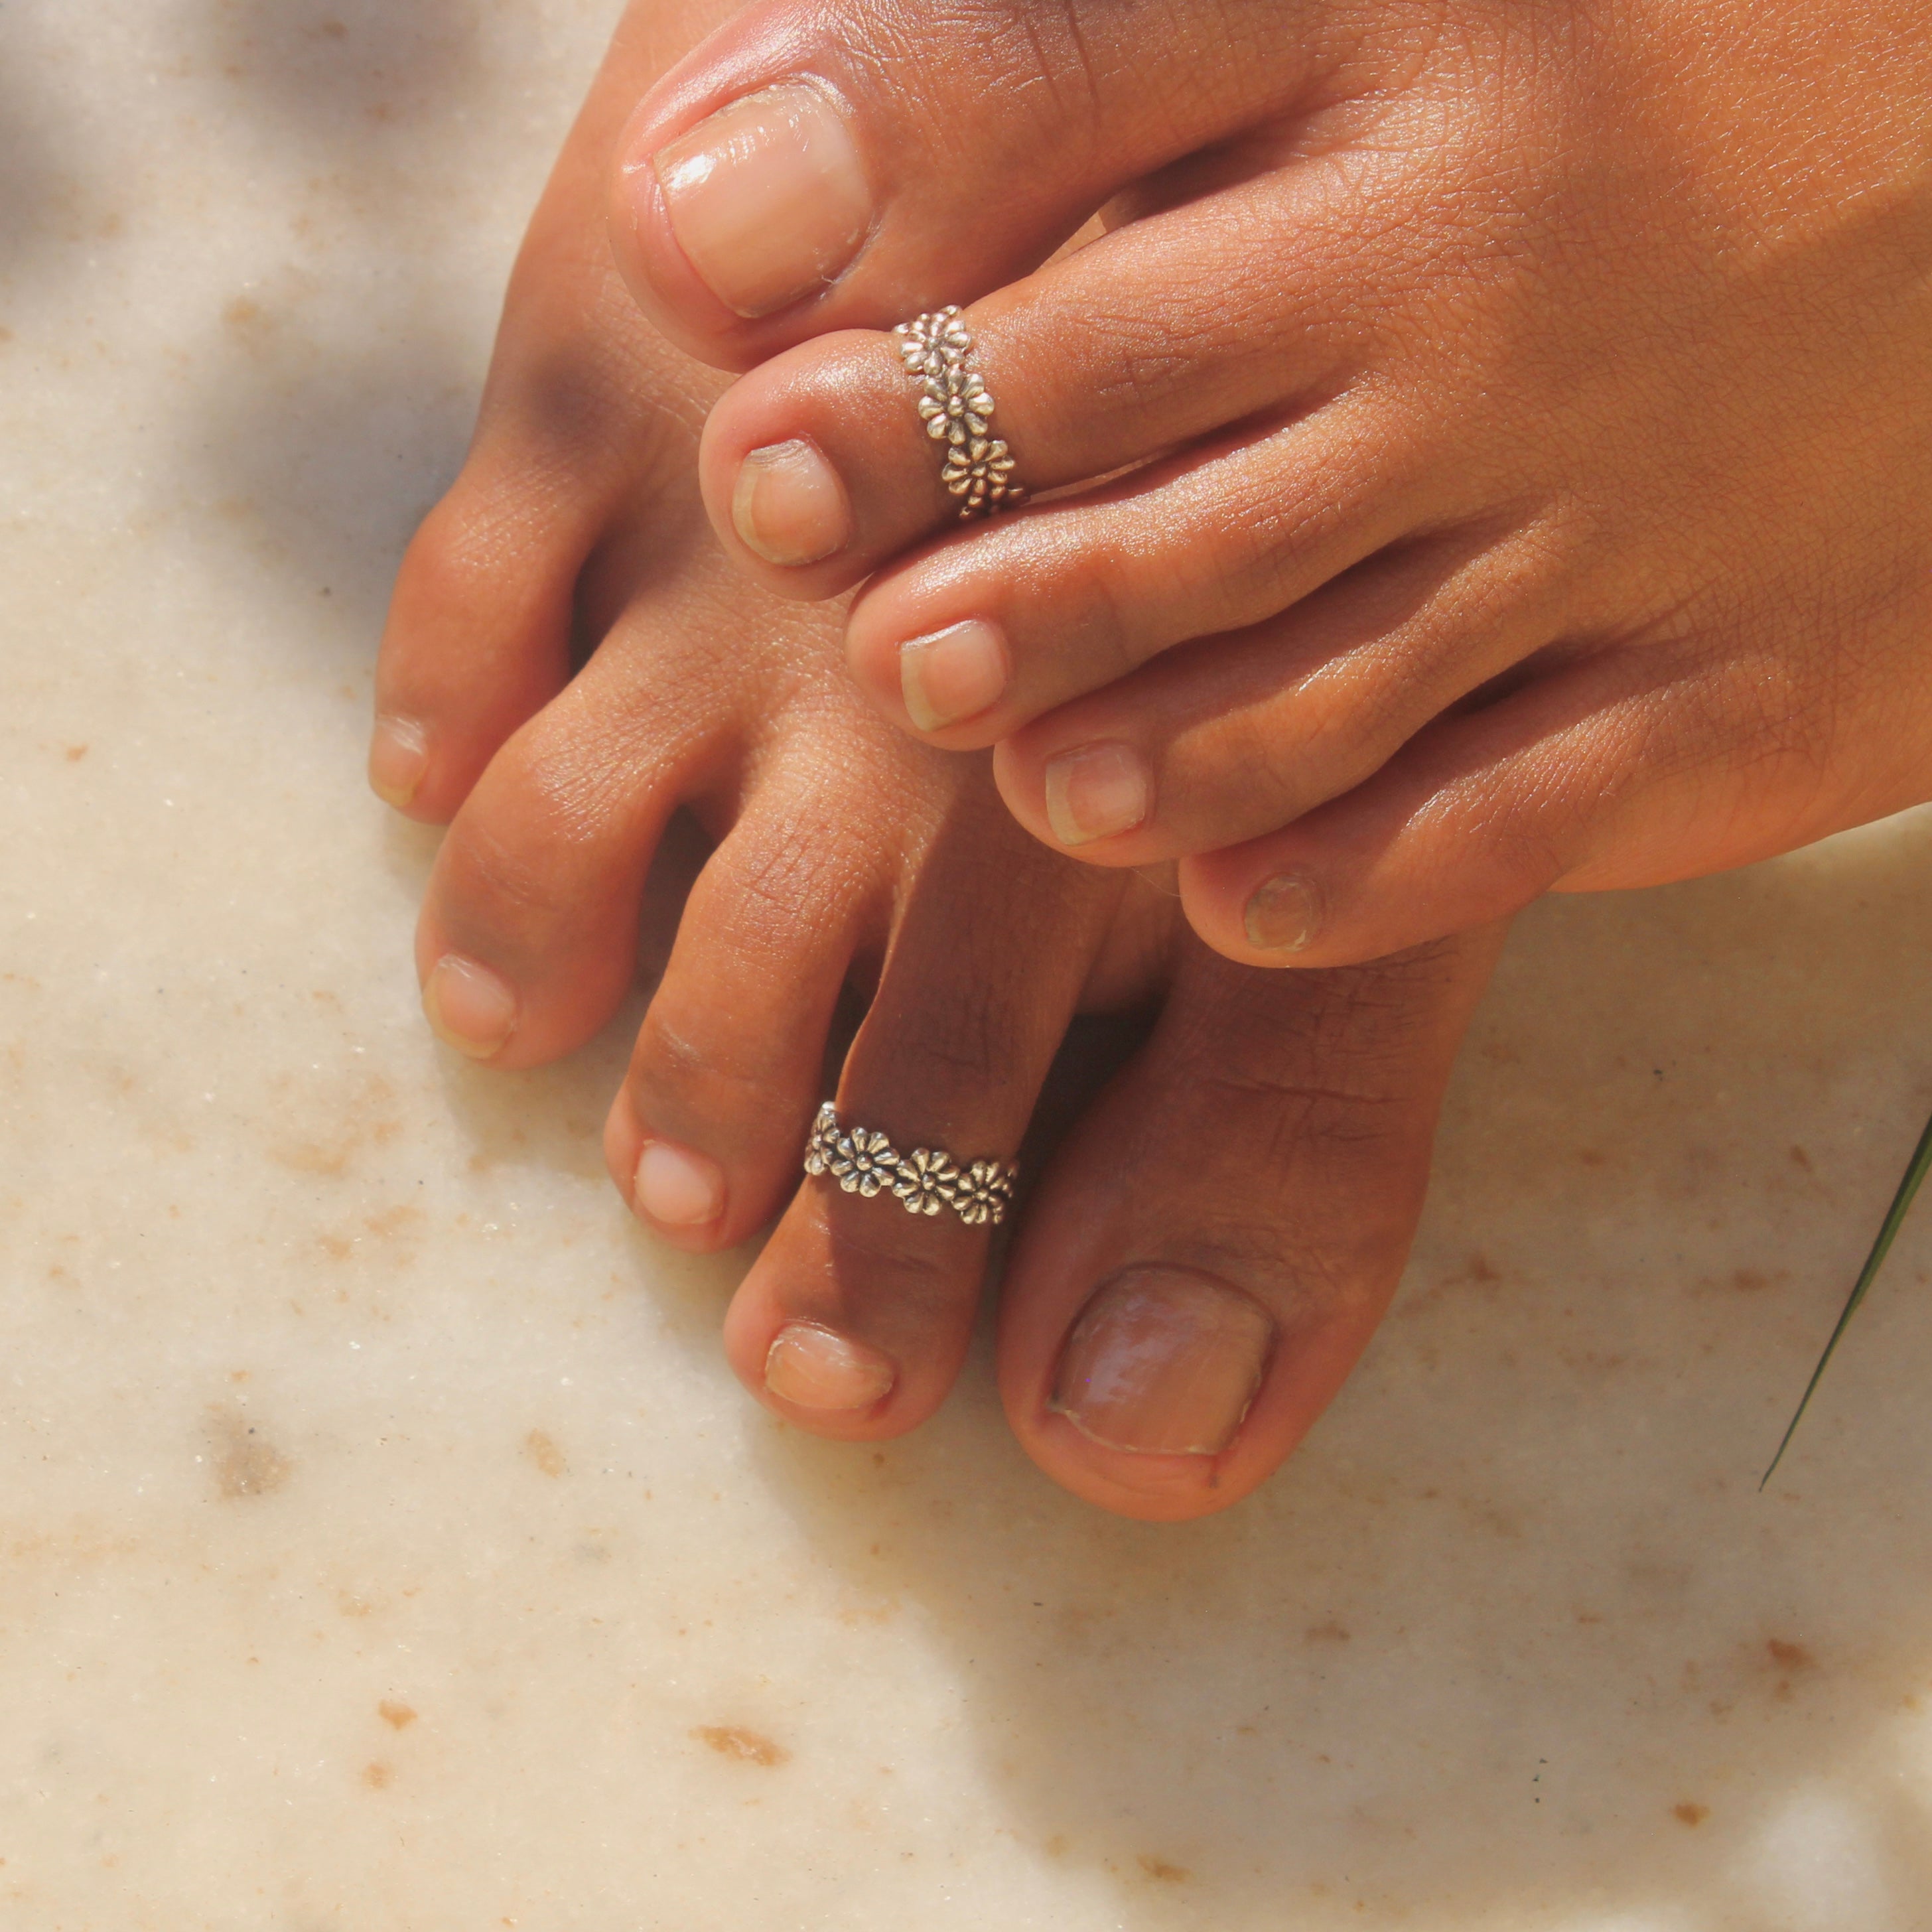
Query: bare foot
{"points": [[1214, 1243], [1528, 444]]}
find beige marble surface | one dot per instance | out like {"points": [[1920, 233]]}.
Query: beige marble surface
{"points": [[384, 1546]]}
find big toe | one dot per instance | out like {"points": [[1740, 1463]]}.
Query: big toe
{"points": [[844, 165], [1217, 1240]]}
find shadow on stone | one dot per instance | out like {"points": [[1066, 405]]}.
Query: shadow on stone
{"points": [[1538, 1497]]}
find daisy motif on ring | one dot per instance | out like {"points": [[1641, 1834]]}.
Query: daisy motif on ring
{"points": [[981, 1192], [823, 1143], [925, 1182], [864, 1162]]}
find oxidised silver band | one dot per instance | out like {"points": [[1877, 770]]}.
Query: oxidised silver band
{"points": [[938, 352], [922, 1182]]}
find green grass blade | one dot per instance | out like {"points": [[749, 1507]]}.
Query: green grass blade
{"points": [[1895, 1220]]}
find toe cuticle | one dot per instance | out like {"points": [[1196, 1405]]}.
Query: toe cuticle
{"points": [[469, 1007], [677, 1186], [1097, 791], [1164, 1362], [788, 506], [1283, 913], [814, 1367], [398, 758], [954, 674], [768, 197]]}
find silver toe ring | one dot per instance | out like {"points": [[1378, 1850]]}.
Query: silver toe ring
{"points": [[922, 1182], [976, 467]]}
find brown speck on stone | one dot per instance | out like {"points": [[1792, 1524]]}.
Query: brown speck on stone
{"points": [[1690, 1814], [75, 753], [545, 1454], [748, 1747], [1790, 1656], [246, 1464], [311, 1157], [378, 1777], [1162, 1872], [397, 1717], [1799, 1158], [1331, 1632]]}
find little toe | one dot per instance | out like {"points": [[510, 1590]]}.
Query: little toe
{"points": [[528, 936], [1596, 773], [1215, 1244], [853, 1321], [571, 436], [846, 164], [703, 1139], [478, 641]]}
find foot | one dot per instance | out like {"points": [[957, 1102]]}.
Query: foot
{"points": [[1212, 1246], [1521, 456]]}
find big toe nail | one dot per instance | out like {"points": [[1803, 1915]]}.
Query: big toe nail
{"points": [[1163, 1361], [768, 198]]}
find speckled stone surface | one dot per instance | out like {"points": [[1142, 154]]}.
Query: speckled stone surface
{"points": [[384, 1546]]}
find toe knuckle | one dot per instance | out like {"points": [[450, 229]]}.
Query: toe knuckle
{"points": [[684, 1069], [964, 1038], [1041, 52], [897, 1257], [512, 881], [778, 885], [567, 414], [1136, 359], [1256, 763], [462, 558]]}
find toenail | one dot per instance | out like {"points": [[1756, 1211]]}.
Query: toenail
{"points": [[955, 674], [1096, 792], [468, 1006], [398, 757], [1284, 914], [813, 1367], [1164, 1362], [789, 505], [679, 1187], [768, 198]]}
